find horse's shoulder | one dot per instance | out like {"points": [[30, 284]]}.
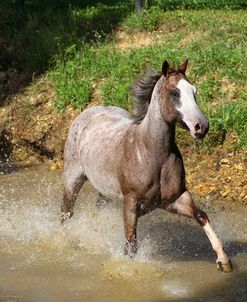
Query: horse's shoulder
{"points": [[172, 178]]}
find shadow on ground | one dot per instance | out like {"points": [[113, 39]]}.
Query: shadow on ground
{"points": [[184, 241], [232, 289]]}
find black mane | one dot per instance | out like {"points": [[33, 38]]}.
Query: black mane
{"points": [[142, 90]]}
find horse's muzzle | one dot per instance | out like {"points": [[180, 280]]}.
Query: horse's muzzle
{"points": [[201, 129]]}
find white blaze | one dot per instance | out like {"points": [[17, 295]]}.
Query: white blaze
{"points": [[188, 107]]}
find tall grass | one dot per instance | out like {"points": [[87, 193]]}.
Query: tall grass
{"points": [[76, 43]]}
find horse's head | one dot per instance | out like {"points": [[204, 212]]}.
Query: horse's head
{"points": [[180, 105]]}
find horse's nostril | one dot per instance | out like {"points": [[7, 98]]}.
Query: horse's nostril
{"points": [[199, 135], [197, 127]]}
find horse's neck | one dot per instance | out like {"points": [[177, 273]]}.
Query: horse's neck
{"points": [[158, 135]]}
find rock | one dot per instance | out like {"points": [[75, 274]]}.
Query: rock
{"points": [[225, 193], [224, 161], [239, 167]]}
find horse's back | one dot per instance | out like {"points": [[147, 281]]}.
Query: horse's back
{"points": [[101, 122]]}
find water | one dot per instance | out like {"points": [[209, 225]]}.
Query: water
{"points": [[42, 261]]}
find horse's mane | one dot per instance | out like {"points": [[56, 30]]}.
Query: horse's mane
{"points": [[142, 90]]}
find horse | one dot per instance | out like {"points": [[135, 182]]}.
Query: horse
{"points": [[135, 159]]}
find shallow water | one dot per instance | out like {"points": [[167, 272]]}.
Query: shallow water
{"points": [[42, 261]]}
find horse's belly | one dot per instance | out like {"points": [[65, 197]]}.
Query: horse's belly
{"points": [[106, 185], [100, 163]]}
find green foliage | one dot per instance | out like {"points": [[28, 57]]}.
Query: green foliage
{"points": [[216, 49], [31, 38], [229, 117], [147, 20], [75, 41], [198, 4]]}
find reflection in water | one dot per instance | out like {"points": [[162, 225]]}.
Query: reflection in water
{"points": [[83, 261]]}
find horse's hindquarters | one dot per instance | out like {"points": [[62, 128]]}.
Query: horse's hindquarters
{"points": [[97, 136]]}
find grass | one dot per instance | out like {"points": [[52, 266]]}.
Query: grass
{"points": [[216, 47], [78, 46]]}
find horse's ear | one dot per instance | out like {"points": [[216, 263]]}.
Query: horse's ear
{"points": [[165, 68], [182, 68]]}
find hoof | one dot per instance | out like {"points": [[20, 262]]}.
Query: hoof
{"points": [[102, 201], [224, 267], [65, 216], [130, 249]]}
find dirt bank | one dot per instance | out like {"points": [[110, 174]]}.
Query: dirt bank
{"points": [[33, 132]]}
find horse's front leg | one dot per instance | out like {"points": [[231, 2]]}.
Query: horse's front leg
{"points": [[185, 205], [130, 216]]}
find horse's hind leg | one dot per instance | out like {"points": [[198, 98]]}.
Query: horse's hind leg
{"points": [[130, 215], [185, 205], [73, 182]]}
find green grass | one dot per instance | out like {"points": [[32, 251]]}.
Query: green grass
{"points": [[76, 44], [213, 40]]}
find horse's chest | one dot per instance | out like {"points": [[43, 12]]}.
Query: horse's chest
{"points": [[155, 184], [172, 179], [142, 179]]}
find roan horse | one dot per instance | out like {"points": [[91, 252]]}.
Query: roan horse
{"points": [[136, 160]]}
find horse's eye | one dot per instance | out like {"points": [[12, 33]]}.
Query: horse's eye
{"points": [[175, 93]]}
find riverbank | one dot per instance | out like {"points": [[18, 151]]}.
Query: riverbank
{"points": [[36, 133]]}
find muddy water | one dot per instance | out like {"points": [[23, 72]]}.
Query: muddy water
{"points": [[41, 261]]}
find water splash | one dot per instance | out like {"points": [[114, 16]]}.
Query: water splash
{"points": [[84, 258]]}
